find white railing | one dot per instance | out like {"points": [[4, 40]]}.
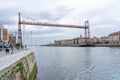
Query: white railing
{"points": [[10, 59]]}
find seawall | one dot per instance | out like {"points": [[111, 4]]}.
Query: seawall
{"points": [[22, 68]]}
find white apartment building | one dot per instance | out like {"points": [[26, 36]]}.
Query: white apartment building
{"points": [[104, 39], [95, 39], [114, 37], [64, 42], [76, 41]]}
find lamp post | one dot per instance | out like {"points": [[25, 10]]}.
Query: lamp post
{"points": [[24, 37], [31, 38]]}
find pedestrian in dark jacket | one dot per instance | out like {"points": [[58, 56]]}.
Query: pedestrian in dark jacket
{"points": [[7, 50]]}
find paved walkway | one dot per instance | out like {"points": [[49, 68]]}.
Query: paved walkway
{"points": [[8, 59], [3, 53]]}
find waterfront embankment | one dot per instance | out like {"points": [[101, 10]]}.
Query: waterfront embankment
{"points": [[76, 45], [19, 66]]}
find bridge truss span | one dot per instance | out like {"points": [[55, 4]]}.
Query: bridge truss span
{"points": [[20, 22], [50, 24]]}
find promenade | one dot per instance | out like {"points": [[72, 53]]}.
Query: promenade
{"points": [[3, 53], [7, 59]]}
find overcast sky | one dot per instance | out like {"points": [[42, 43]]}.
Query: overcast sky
{"points": [[103, 16]]}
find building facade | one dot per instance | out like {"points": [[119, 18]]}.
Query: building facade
{"points": [[95, 40], [64, 42], [104, 40], [12, 39], [76, 41], [114, 38], [4, 34], [6, 39]]}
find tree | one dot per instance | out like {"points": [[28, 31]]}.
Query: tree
{"points": [[98, 42], [18, 44]]}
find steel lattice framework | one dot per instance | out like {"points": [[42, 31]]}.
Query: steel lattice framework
{"points": [[20, 22]]}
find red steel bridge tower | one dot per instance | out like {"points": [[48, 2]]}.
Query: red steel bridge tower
{"points": [[85, 27], [19, 29]]}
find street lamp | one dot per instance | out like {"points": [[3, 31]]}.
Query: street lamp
{"points": [[24, 37], [31, 38]]}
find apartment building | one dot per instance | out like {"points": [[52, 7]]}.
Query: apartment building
{"points": [[114, 37], [5, 38], [81, 40], [64, 42], [12, 39], [104, 39], [3, 34], [76, 41], [95, 39]]}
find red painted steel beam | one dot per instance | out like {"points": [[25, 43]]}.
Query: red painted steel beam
{"points": [[52, 25], [19, 29]]}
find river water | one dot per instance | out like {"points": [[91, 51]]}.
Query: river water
{"points": [[78, 63]]}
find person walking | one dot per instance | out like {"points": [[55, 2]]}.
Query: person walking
{"points": [[11, 50], [7, 50]]}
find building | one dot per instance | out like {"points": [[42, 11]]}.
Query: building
{"points": [[104, 39], [82, 40], [76, 41], [79, 40], [114, 38], [69, 42], [64, 42], [3, 34], [12, 39], [57, 42], [95, 40], [6, 39]]}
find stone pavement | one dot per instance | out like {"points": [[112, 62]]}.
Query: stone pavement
{"points": [[7, 59], [3, 53]]}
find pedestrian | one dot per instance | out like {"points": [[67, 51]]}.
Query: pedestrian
{"points": [[11, 50], [7, 50]]}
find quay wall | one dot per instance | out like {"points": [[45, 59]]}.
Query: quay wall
{"points": [[25, 68]]}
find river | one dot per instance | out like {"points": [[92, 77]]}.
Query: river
{"points": [[78, 63]]}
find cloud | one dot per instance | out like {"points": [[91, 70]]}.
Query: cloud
{"points": [[118, 19], [103, 16]]}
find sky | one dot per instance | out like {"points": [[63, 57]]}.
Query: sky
{"points": [[103, 17]]}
